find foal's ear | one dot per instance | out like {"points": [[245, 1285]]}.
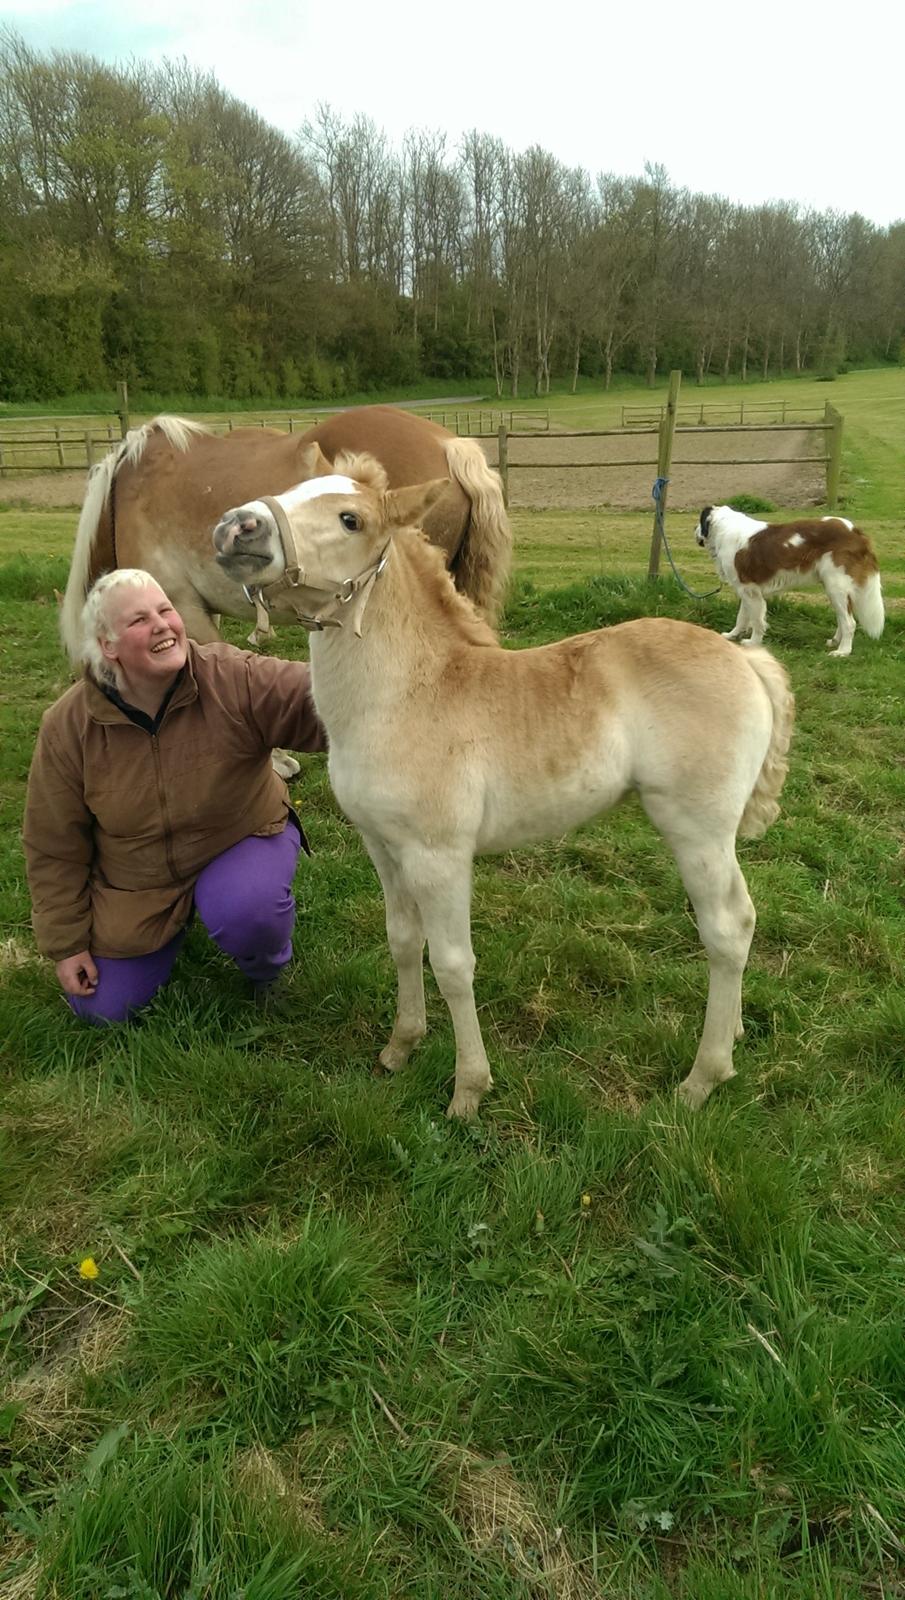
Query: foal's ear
{"points": [[313, 463], [406, 508]]}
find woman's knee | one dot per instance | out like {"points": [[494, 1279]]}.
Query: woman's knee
{"points": [[253, 923], [126, 985], [244, 897]]}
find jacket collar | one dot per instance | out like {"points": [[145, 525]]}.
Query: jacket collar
{"points": [[100, 709]]}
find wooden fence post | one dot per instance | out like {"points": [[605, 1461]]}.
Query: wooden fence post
{"points": [[123, 408], [664, 457], [503, 461], [833, 455]]}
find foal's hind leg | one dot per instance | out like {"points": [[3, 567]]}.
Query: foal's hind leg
{"points": [[405, 936], [725, 918]]}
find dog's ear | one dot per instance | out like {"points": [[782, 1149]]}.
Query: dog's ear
{"points": [[704, 523]]}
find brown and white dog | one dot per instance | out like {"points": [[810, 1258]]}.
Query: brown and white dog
{"points": [[760, 558]]}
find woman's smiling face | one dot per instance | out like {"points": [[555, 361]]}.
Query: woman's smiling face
{"points": [[148, 646]]}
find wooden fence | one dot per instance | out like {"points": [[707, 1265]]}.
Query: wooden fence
{"points": [[665, 432], [713, 413], [471, 423], [55, 448], [68, 444]]}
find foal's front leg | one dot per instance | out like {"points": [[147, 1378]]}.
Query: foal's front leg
{"points": [[441, 883], [405, 936]]}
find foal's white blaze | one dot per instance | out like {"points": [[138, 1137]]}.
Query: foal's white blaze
{"points": [[313, 488]]}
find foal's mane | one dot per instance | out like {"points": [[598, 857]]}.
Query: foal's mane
{"points": [[450, 609]]}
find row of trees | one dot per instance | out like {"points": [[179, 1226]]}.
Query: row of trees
{"points": [[155, 228]]}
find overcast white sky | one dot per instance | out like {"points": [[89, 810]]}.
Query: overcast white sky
{"points": [[758, 101]]}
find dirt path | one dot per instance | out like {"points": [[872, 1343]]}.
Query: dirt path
{"points": [[46, 491]]}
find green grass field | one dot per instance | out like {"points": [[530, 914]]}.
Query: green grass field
{"points": [[594, 1345]]}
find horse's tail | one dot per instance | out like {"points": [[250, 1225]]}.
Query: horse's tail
{"points": [[481, 564], [763, 801], [94, 551]]}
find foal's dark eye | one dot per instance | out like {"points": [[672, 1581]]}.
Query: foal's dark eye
{"points": [[350, 520]]}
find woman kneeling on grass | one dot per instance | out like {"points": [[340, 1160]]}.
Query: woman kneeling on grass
{"points": [[152, 792]]}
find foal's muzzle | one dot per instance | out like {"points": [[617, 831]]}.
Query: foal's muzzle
{"points": [[243, 540]]}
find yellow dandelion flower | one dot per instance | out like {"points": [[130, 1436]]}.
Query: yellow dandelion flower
{"points": [[89, 1268], [585, 1201]]}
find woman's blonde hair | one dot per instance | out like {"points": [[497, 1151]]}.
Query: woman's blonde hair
{"points": [[95, 620]]}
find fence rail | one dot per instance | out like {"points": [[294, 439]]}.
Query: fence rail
{"points": [[712, 413], [33, 445], [56, 449], [665, 431]]}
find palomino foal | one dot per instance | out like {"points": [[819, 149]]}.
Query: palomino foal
{"points": [[443, 744]]}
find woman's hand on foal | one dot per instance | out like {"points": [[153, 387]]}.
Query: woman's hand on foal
{"points": [[77, 974]]}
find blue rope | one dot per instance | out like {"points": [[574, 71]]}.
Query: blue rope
{"points": [[657, 497]]}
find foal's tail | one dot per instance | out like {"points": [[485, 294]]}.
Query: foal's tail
{"points": [[94, 551], [763, 802], [481, 564]]}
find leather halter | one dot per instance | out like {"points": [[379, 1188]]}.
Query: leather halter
{"points": [[338, 592]]}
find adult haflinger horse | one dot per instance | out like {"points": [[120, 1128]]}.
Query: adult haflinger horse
{"points": [[443, 744], [154, 499]]}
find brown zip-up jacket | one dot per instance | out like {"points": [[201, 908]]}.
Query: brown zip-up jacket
{"points": [[119, 821]]}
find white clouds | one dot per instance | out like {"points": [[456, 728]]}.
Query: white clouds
{"points": [[773, 101]]}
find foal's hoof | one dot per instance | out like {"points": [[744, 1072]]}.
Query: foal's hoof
{"points": [[693, 1095], [694, 1091], [465, 1104], [392, 1059]]}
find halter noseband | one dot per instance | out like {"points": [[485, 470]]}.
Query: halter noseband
{"points": [[339, 592]]}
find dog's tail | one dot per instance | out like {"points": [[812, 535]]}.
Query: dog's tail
{"points": [[763, 801], [867, 604]]}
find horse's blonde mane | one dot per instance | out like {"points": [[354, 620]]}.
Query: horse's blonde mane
{"points": [[178, 432]]}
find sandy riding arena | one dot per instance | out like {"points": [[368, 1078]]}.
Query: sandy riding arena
{"points": [[690, 486], [574, 487]]}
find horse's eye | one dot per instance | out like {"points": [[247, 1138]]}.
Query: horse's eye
{"points": [[350, 521]]}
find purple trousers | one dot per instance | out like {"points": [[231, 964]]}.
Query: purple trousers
{"points": [[243, 897]]}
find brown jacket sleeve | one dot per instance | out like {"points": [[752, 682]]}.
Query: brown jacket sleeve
{"points": [[280, 703], [58, 834]]}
